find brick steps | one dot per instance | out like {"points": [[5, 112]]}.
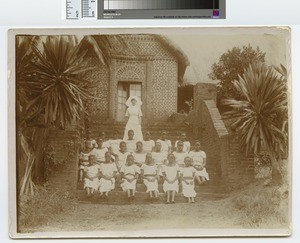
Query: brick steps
{"points": [[173, 130], [209, 187], [118, 197]]}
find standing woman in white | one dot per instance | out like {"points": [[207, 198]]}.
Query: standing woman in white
{"points": [[134, 118]]}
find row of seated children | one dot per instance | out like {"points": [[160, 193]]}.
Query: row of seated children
{"points": [[159, 155], [102, 177], [159, 149]]}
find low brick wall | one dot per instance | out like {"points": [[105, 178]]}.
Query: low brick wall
{"points": [[226, 161]]}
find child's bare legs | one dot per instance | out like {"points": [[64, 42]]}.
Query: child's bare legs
{"points": [[192, 199], [131, 194], [197, 178], [150, 194], [189, 199], [155, 194], [80, 175], [88, 191], [203, 180], [173, 196], [168, 196]]}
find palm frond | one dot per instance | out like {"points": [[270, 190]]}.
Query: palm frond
{"points": [[261, 114]]}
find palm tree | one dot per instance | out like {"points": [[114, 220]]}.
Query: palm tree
{"points": [[51, 89], [260, 117]]}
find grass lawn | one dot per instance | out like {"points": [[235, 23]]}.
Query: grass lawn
{"points": [[255, 206]]}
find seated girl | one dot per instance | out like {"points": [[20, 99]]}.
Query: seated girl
{"points": [[131, 142], [129, 173], [105, 141], [186, 144], [170, 172], [159, 157], [122, 155], [180, 154], [149, 174], [84, 158], [114, 143], [91, 173], [108, 171], [148, 143], [187, 175], [199, 162], [166, 144], [139, 154], [100, 151], [93, 143]]}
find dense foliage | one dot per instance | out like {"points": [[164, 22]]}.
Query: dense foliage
{"points": [[232, 64]]}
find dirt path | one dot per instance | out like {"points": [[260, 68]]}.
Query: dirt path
{"points": [[95, 217]]}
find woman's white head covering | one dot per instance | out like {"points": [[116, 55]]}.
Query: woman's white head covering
{"points": [[133, 97]]}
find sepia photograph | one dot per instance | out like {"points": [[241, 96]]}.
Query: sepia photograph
{"points": [[156, 132]]}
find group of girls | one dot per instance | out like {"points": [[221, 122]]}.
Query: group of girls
{"points": [[104, 161]]}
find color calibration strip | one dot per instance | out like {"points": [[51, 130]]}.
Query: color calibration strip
{"points": [[160, 4], [144, 9]]}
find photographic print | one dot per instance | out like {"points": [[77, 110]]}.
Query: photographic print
{"points": [[170, 132]]}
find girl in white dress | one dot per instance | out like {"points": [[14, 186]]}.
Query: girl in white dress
{"points": [[129, 173], [180, 154], [131, 142], [186, 144], [149, 175], [199, 161], [114, 143], [122, 155], [105, 142], [84, 158], [134, 116], [187, 175], [159, 157], [100, 151], [166, 144], [91, 173], [108, 171], [148, 143], [139, 154], [170, 172]]}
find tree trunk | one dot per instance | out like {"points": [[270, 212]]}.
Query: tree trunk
{"points": [[31, 153]]}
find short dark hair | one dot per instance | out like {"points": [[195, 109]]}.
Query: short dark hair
{"points": [[122, 142], [139, 142]]}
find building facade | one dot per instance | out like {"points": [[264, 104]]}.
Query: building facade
{"points": [[148, 66]]}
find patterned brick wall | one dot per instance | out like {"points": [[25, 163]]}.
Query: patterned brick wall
{"points": [[98, 108], [164, 89], [141, 45]]}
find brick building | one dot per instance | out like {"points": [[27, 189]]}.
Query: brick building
{"points": [[148, 66]]}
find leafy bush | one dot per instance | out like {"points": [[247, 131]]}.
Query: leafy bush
{"points": [[232, 64], [40, 208]]}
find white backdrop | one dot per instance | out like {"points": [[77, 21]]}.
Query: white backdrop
{"points": [[47, 13]]}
